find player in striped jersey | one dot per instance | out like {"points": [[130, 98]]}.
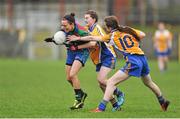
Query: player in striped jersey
{"points": [[126, 40]]}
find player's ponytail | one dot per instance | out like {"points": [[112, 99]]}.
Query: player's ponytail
{"points": [[129, 30], [70, 18], [112, 22]]}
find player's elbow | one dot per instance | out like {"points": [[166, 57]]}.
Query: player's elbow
{"points": [[142, 35]]}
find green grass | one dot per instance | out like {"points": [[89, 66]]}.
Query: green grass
{"points": [[39, 89]]}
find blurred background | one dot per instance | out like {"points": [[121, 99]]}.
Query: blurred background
{"points": [[25, 23]]}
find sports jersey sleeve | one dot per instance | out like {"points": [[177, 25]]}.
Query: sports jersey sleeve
{"points": [[82, 33], [106, 37], [138, 32], [168, 35]]}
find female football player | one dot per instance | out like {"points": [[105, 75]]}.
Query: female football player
{"points": [[162, 45], [126, 40], [102, 55], [75, 59]]}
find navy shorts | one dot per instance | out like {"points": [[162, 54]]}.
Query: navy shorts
{"points": [[164, 53], [136, 65], [107, 62], [80, 55]]}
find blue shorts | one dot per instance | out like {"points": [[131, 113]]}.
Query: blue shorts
{"points": [[164, 53], [136, 65], [107, 62], [80, 55]]}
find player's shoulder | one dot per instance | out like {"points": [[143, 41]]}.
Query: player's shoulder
{"points": [[82, 32], [167, 32], [157, 33], [99, 29], [98, 26], [119, 34]]}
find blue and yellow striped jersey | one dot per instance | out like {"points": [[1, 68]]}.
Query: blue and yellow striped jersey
{"points": [[161, 40], [101, 48]]}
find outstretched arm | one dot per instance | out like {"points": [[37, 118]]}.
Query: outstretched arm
{"points": [[87, 45], [50, 39], [140, 34], [85, 38]]}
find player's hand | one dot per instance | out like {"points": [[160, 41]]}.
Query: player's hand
{"points": [[50, 39], [71, 38]]}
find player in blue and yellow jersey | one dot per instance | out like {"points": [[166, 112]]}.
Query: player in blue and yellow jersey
{"points": [[75, 59], [162, 45], [127, 41], [102, 55]]}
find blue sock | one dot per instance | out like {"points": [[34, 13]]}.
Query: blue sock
{"points": [[102, 105], [117, 92]]}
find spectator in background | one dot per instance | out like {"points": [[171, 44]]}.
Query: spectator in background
{"points": [[162, 46], [18, 49]]}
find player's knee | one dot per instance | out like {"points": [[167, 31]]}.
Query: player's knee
{"points": [[68, 79], [101, 81], [100, 85], [103, 87], [148, 83], [72, 76]]}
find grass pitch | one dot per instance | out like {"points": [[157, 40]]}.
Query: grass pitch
{"points": [[38, 89]]}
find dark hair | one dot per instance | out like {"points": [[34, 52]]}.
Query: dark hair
{"points": [[70, 18], [112, 21], [93, 14]]}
